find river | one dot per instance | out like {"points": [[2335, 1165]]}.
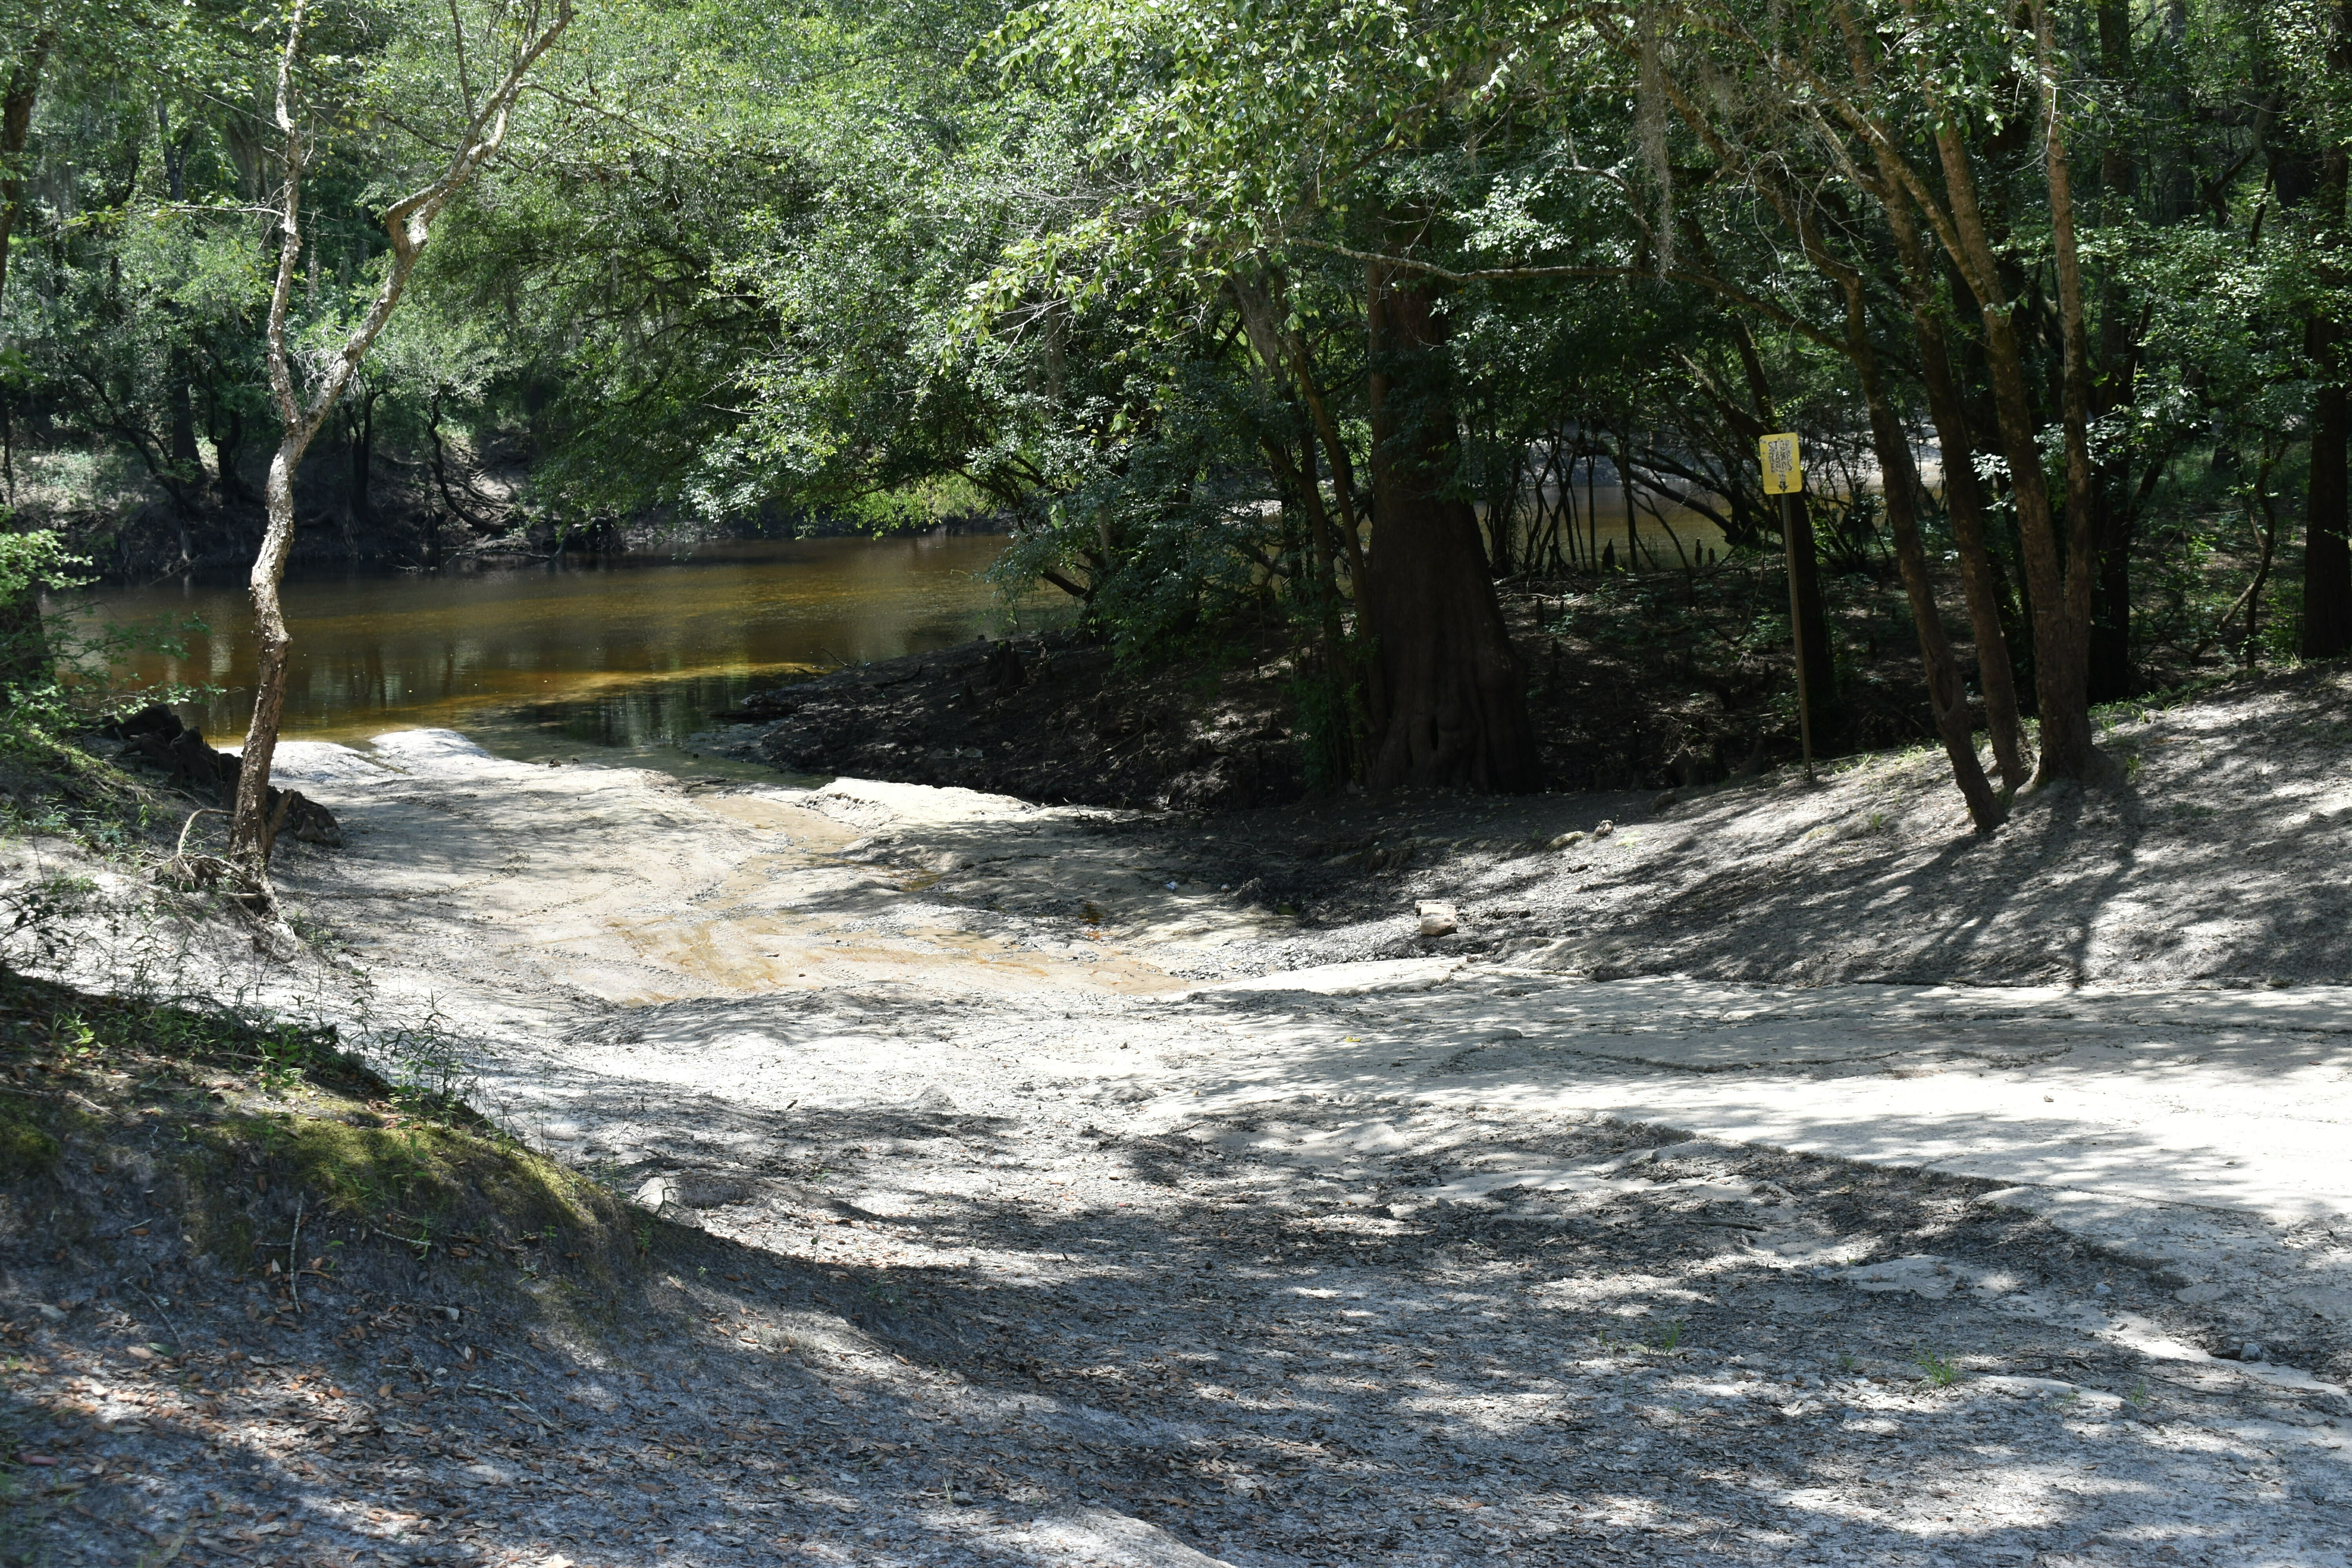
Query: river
{"points": [[629, 654]]}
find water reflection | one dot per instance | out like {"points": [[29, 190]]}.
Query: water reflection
{"points": [[629, 652]]}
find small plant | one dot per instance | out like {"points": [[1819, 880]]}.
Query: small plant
{"points": [[1669, 1337], [1939, 1372], [431, 1074], [288, 1053]]}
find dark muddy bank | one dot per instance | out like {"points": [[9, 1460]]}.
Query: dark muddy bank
{"points": [[1636, 684]]}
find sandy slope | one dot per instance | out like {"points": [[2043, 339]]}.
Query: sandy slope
{"points": [[1184, 1226]]}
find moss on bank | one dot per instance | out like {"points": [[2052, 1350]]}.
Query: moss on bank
{"points": [[138, 1137]]}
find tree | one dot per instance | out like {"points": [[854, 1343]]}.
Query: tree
{"points": [[523, 35], [1453, 694], [2325, 76]]}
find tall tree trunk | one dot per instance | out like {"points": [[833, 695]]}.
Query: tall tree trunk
{"points": [[24, 658], [1964, 500], [180, 440], [16, 100], [1963, 491], [1804, 553], [2110, 676], [359, 429], [2060, 650], [228, 448], [1455, 708], [1625, 493], [2074, 417], [179, 396], [2326, 557], [1947, 698]]}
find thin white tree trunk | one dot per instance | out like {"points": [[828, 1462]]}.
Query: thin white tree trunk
{"points": [[408, 223]]}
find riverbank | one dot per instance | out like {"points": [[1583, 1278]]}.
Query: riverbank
{"points": [[1635, 682], [2213, 861]]}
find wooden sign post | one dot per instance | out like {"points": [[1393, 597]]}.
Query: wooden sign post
{"points": [[1784, 476]]}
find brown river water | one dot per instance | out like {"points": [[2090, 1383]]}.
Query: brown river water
{"points": [[628, 655]]}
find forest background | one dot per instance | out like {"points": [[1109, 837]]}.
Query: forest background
{"points": [[1318, 330]]}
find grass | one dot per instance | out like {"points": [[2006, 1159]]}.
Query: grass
{"points": [[1938, 1372], [27, 1149], [274, 1153]]}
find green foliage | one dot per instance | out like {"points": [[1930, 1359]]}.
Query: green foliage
{"points": [[1097, 269], [37, 560], [1938, 1372]]}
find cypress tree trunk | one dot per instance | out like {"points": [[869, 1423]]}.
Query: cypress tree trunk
{"points": [[1453, 700]]}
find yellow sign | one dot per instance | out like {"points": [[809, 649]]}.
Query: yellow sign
{"points": [[1783, 474]]}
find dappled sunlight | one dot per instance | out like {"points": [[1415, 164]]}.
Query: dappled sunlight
{"points": [[1010, 1209], [2213, 856]]}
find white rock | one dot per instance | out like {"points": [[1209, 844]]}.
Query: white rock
{"points": [[656, 1191], [1437, 916]]}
